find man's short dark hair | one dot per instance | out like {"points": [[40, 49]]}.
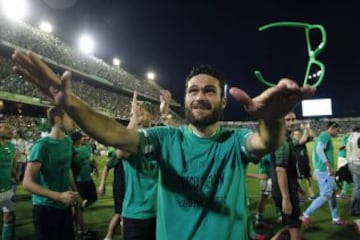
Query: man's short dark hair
{"points": [[332, 124], [211, 71], [54, 112], [76, 136]]}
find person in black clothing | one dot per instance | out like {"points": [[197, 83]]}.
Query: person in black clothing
{"points": [[284, 179], [301, 137]]}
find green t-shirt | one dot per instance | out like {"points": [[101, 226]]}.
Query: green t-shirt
{"points": [[325, 138], [7, 155], [81, 161], [264, 165], [343, 142], [201, 182], [141, 188], [55, 157], [113, 160]]}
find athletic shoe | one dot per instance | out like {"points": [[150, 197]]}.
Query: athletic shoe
{"points": [[311, 198], [340, 222], [342, 196], [259, 236], [85, 203], [306, 222], [357, 226]]}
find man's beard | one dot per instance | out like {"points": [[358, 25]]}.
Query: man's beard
{"points": [[216, 115]]}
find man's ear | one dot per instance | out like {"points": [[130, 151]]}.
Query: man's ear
{"points": [[57, 119], [224, 102]]}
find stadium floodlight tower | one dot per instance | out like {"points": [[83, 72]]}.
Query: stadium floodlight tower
{"points": [[86, 44], [116, 62], [45, 27], [14, 9], [151, 76]]}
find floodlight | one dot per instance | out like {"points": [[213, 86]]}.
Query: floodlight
{"points": [[45, 27], [150, 75], [116, 62], [14, 9], [86, 44]]}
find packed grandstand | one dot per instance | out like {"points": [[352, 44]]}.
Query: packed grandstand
{"points": [[107, 88]]}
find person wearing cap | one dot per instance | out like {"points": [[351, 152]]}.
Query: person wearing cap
{"points": [[7, 173], [49, 178], [324, 169]]}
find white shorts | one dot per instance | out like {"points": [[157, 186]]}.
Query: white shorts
{"points": [[266, 186], [7, 201], [341, 162]]}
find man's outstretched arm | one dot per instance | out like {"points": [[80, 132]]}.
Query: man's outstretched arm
{"points": [[269, 108], [98, 126]]}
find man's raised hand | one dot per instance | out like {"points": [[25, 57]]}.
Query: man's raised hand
{"points": [[35, 71], [275, 102]]}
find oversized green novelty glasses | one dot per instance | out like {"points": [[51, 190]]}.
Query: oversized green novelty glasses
{"points": [[315, 70]]}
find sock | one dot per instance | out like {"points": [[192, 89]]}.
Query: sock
{"points": [[7, 232]]}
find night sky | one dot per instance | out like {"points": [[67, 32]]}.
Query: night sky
{"points": [[170, 37]]}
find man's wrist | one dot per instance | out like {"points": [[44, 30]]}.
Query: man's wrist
{"points": [[58, 196], [165, 117]]}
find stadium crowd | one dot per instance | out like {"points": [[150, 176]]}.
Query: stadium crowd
{"points": [[99, 98], [346, 124], [19, 34]]}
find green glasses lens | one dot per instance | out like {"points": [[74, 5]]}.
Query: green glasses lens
{"points": [[316, 41]]}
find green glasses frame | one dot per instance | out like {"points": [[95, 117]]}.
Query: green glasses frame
{"points": [[312, 53]]}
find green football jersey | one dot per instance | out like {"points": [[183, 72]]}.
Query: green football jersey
{"points": [[7, 155], [81, 160], [140, 188], [344, 140], [113, 160], [325, 138], [264, 165], [201, 190], [55, 157]]}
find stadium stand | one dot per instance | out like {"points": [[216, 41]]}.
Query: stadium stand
{"points": [[108, 89]]}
